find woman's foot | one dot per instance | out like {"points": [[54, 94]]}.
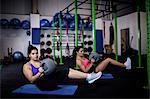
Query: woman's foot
{"points": [[93, 77], [128, 63]]}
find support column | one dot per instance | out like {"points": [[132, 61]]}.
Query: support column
{"points": [[139, 34], [116, 32], [83, 34], [93, 26], [34, 6], [54, 49], [76, 24], [60, 28], [148, 40]]}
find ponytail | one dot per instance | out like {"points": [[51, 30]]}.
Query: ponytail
{"points": [[74, 54], [76, 49]]}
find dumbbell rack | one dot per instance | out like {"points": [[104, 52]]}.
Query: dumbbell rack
{"points": [[71, 42]]}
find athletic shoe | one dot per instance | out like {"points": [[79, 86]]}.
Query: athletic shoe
{"points": [[93, 77], [128, 63]]}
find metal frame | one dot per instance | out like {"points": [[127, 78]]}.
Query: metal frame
{"points": [[139, 34], [103, 13], [94, 25], [60, 26], [110, 7], [147, 3]]}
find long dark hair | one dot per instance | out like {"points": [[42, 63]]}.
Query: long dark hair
{"points": [[30, 48], [76, 49]]}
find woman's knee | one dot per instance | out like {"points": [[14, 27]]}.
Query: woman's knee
{"points": [[70, 69], [97, 69], [108, 60]]}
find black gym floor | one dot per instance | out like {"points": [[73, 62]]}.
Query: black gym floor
{"points": [[126, 84]]}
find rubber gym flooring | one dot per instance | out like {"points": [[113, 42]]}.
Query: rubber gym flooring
{"points": [[126, 84]]}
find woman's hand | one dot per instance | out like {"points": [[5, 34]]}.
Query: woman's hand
{"points": [[41, 70], [92, 60], [41, 75]]}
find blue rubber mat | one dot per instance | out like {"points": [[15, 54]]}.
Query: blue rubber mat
{"points": [[106, 76], [33, 89]]}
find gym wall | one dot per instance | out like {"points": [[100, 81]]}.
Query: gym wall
{"points": [[48, 8], [100, 26], [143, 33], [16, 6], [107, 34], [21, 9], [51, 7], [14, 38], [45, 7], [130, 21]]}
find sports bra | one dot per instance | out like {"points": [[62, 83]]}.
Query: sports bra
{"points": [[35, 70], [86, 62]]}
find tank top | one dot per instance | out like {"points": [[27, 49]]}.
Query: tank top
{"points": [[35, 70], [86, 62]]}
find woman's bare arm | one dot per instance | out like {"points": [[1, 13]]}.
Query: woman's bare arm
{"points": [[82, 67], [29, 75]]}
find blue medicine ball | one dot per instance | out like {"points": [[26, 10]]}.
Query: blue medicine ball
{"points": [[72, 25], [15, 23], [44, 23], [56, 17], [56, 23], [4, 23], [52, 23], [25, 24], [80, 24], [90, 26], [64, 23], [67, 16], [18, 56], [78, 16]]}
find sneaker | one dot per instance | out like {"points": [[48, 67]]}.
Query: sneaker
{"points": [[128, 63], [93, 77]]}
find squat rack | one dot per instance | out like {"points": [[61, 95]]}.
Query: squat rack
{"points": [[111, 7], [147, 3]]}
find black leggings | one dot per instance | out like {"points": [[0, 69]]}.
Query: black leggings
{"points": [[51, 81]]}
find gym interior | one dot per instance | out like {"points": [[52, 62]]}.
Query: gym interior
{"points": [[111, 28]]}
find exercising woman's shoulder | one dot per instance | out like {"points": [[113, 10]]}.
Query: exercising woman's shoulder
{"points": [[27, 65]]}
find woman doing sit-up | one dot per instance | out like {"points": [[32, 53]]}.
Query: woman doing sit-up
{"points": [[86, 65]]}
